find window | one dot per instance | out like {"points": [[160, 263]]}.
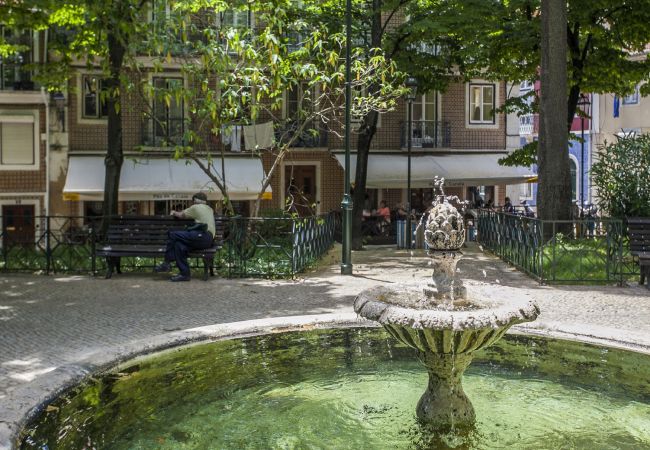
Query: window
{"points": [[299, 101], [241, 20], [525, 86], [295, 41], [481, 104], [165, 207], [424, 106], [299, 109], [424, 131], [362, 104], [425, 48], [168, 114], [628, 132], [632, 99], [12, 67], [160, 11], [573, 168], [17, 142], [235, 19], [94, 104]]}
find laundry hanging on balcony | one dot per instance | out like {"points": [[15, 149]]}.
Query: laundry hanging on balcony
{"points": [[258, 136]]}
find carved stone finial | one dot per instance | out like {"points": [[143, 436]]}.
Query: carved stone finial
{"points": [[444, 228]]}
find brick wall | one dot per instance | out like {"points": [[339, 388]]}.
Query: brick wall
{"points": [[16, 181], [331, 178], [388, 136], [91, 134], [454, 112]]}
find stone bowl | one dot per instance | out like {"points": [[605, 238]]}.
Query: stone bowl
{"points": [[405, 312]]}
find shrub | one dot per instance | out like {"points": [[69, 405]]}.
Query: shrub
{"points": [[622, 178]]}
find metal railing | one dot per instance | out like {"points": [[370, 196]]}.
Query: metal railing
{"points": [[308, 138], [427, 134], [591, 250], [253, 247], [526, 125], [46, 244], [312, 237]]}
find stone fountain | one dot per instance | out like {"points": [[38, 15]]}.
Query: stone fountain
{"points": [[441, 321]]}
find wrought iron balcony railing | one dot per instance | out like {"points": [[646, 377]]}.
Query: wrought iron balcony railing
{"points": [[308, 138], [427, 134], [526, 124], [15, 77]]}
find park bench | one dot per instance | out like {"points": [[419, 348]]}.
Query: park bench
{"points": [[639, 232], [146, 236]]}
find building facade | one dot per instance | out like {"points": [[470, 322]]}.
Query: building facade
{"points": [[580, 147], [52, 149]]}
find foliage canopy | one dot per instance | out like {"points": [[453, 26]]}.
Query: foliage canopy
{"points": [[622, 178]]}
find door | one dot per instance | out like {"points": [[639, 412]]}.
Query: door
{"points": [[300, 189], [17, 225]]}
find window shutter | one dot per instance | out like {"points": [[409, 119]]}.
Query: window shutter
{"points": [[17, 143]]}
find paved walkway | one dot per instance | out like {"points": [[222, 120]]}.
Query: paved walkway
{"points": [[56, 329]]}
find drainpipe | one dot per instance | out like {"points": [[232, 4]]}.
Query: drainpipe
{"points": [[47, 150], [46, 100]]}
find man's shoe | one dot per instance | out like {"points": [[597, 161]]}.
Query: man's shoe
{"points": [[162, 267], [180, 277]]}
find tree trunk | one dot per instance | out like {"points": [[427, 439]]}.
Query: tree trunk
{"points": [[114, 154], [554, 188], [367, 131]]}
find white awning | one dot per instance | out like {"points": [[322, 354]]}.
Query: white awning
{"points": [[390, 171], [163, 179]]}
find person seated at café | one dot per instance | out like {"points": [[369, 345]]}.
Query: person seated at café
{"points": [[384, 212], [366, 208], [382, 216], [507, 207], [401, 213]]}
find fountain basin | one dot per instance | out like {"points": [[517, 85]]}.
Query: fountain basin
{"points": [[351, 388]]}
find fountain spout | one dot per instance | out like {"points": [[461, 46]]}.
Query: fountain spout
{"points": [[444, 234]]}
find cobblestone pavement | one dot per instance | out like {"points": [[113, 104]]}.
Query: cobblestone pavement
{"points": [[49, 325]]}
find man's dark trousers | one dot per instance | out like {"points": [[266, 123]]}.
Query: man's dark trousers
{"points": [[180, 243]]}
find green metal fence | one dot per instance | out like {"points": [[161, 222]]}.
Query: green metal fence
{"points": [[253, 247], [591, 250]]}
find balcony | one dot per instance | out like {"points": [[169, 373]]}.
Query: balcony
{"points": [[309, 138], [427, 134], [163, 133], [526, 125], [13, 77]]}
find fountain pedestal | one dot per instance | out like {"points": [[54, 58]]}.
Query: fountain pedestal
{"points": [[444, 401]]}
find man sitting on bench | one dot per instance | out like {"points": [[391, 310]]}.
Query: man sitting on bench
{"points": [[198, 236]]}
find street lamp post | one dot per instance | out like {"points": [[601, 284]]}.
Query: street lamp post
{"points": [[412, 84], [346, 204], [583, 104]]}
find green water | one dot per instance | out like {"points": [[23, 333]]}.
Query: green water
{"points": [[352, 389]]}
